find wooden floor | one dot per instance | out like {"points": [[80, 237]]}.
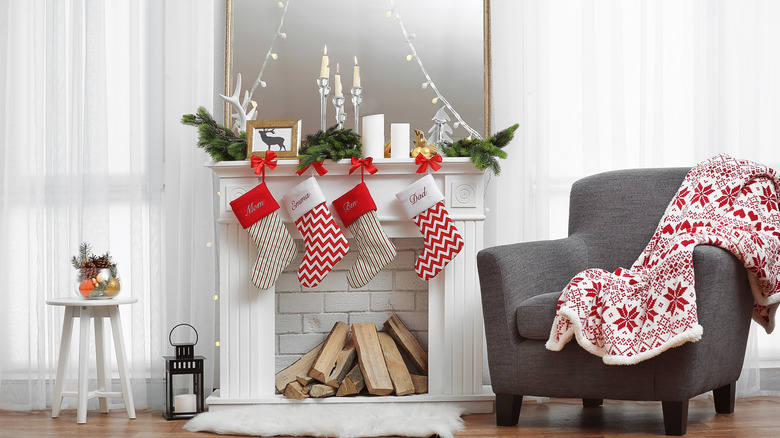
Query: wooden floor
{"points": [[755, 417]]}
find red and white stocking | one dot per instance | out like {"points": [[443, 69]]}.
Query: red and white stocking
{"points": [[324, 243], [423, 202], [256, 211], [357, 211]]}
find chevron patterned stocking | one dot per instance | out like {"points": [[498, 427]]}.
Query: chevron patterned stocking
{"points": [[324, 243], [423, 203]]}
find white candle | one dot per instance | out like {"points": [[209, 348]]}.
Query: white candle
{"points": [[356, 75], [373, 134], [184, 403], [337, 80], [324, 69], [399, 140]]}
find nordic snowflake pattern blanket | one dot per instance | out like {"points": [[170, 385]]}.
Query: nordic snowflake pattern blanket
{"points": [[633, 314]]}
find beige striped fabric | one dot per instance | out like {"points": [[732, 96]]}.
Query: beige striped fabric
{"points": [[275, 249], [375, 250]]}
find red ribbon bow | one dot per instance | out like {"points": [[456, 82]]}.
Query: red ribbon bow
{"points": [[317, 166], [259, 163], [363, 164], [424, 162]]}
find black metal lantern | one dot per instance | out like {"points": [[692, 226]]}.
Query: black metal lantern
{"points": [[178, 404]]}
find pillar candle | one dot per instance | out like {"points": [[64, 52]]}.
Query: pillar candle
{"points": [[356, 75], [399, 140], [324, 69], [373, 134], [184, 403]]}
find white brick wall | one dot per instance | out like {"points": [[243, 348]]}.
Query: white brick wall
{"points": [[304, 316]]}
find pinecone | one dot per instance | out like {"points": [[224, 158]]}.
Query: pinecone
{"points": [[101, 262], [89, 271]]}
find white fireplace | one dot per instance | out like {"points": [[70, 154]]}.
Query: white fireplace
{"points": [[455, 326]]}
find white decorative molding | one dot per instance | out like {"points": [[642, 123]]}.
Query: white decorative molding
{"points": [[455, 326]]}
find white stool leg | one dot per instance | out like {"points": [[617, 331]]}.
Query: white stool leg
{"points": [[81, 413], [102, 383], [62, 362], [121, 359]]}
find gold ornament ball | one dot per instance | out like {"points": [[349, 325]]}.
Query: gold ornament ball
{"points": [[112, 287], [426, 151], [416, 151]]}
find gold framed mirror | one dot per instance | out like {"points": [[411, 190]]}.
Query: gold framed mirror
{"points": [[453, 44]]}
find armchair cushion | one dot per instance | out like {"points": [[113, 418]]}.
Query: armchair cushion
{"points": [[535, 316]]}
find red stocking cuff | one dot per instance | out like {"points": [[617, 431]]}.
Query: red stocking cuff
{"points": [[254, 205], [353, 204]]}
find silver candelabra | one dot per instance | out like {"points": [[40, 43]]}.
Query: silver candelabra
{"points": [[341, 116], [322, 83], [357, 98]]}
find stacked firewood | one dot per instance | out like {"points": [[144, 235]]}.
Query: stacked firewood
{"points": [[351, 361]]}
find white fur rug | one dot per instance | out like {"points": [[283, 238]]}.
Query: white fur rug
{"points": [[333, 420]]}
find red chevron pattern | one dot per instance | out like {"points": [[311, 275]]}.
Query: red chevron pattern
{"points": [[442, 241], [324, 245]]}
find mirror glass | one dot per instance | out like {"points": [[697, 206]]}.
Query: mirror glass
{"points": [[447, 36]]}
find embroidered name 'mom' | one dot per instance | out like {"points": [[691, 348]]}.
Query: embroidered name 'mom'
{"points": [[416, 197], [297, 203], [252, 207]]}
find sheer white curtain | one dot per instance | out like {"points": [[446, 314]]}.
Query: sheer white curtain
{"points": [[600, 85], [91, 94]]}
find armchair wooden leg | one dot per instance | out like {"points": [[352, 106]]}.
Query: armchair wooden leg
{"points": [[675, 417], [508, 409], [592, 402], [724, 398]]}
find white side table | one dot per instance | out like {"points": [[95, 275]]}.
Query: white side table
{"points": [[97, 310]]}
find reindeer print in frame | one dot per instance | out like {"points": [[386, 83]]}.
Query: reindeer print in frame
{"points": [[280, 136]]}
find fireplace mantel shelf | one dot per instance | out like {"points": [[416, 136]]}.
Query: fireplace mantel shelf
{"points": [[455, 327]]}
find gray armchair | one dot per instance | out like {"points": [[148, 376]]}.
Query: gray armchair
{"points": [[612, 217]]}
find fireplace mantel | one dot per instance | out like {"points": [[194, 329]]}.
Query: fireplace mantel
{"points": [[455, 326]]}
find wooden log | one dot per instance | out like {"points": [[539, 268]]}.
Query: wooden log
{"points": [[399, 374], [420, 384], [295, 390], [371, 359], [301, 366], [352, 384], [407, 343], [331, 348], [320, 390], [344, 362], [303, 379]]}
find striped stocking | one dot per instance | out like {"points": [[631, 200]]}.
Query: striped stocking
{"points": [[357, 210], [256, 211]]}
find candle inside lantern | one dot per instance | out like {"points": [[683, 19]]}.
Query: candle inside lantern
{"points": [[337, 79], [184, 403], [324, 69], [356, 75]]}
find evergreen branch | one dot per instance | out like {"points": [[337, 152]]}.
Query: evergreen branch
{"points": [[333, 143], [217, 140], [483, 153]]}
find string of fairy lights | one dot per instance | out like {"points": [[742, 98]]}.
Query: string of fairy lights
{"points": [[413, 55]]}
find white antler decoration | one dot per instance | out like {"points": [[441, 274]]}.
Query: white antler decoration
{"points": [[240, 115]]}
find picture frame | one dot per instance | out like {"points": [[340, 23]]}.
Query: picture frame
{"points": [[280, 136]]}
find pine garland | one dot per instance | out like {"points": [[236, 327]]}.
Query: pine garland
{"points": [[219, 141], [334, 143], [483, 153]]}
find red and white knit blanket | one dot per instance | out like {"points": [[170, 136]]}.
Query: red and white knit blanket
{"points": [[633, 314]]}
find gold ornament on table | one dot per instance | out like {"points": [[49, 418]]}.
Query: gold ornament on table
{"points": [[97, 274], [421, 146]]}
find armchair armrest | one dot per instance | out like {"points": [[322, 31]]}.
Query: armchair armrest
{"points": [[510, 274]]}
